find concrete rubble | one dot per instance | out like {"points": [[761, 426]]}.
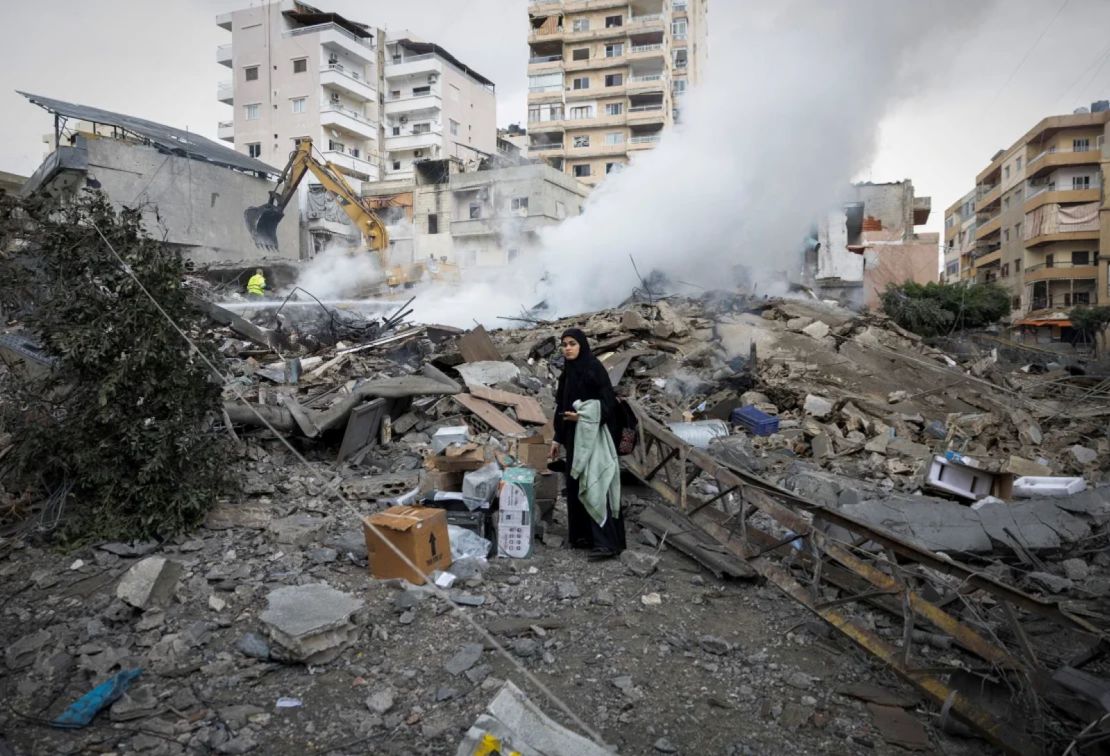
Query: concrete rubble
{"points": [[271, 597]]}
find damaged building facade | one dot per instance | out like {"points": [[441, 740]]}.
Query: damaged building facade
{"points": [[1042, 226], [191, 190], [871, 242], [476, 218]]}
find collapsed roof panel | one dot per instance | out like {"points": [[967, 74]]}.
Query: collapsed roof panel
{"points": [[165, 138]]}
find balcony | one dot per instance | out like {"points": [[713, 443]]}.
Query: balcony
{"points": [[598, 148], [990, 259], [545, 146], [335, 36], [545, 34], [355, 166], [224, 21], [1040, 239], [1065, 299], [421, 103], [1060, 270], [225, 130], [1054, 158], [414, 141], [643, 142], [351, 83], [225, 92], [351, 121], [643, 114], [545, 61], [987, 196], [1048, 194], [989, 226], [414, 65], [593, 121], [647, 83], [547, 127], [223, 55], [647, 52], [606, 61], [594, 93], [648, 20]]}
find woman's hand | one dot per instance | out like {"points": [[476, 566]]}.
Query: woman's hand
{"points": [[553, 452], [570, 417]]}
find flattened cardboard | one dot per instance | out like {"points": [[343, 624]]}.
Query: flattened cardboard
{"points": [[420, 533]]}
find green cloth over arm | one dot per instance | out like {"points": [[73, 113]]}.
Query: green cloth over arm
{"points": [[596, 465]]}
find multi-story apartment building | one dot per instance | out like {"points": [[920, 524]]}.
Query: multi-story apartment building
{"points": [[372, 105], [959, 237], [602, 78], [1043, 222]]}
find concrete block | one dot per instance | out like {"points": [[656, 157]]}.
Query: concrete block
{"points": [[817, 329], [310, 623], [817, 406], [149, 583]]}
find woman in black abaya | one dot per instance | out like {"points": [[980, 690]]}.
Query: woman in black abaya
{"points": [[584, 378]]}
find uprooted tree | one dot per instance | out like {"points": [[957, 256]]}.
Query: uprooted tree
{"points": [[122, 424], [934, 309]]}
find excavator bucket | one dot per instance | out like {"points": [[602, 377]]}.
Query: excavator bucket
{"points": [[262, 222]]}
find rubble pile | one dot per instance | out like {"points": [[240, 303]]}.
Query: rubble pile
{"points": [[263, 630]]}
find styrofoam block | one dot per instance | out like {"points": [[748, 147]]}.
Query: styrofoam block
{"points": [[1031, 487]]}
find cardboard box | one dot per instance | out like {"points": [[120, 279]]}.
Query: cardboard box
{"points": [[434, 480], [516, 521], [420, 533], [457, 459]]}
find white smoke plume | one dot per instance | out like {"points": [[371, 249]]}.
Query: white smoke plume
{"points": [[788, 115], [340, 272]]}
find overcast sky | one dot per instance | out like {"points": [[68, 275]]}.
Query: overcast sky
{"points": [[156, 60]]}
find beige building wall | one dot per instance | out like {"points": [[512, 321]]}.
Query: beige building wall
{"points": [[601, 79], [1054, 174], [689, 48], [959, 233]]}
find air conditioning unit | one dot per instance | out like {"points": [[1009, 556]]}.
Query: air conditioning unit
{"points": [[433, 78], [418, 153], [333, 58], [335, 97]]}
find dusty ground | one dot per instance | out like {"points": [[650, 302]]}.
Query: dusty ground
{"points": [[715, 668]]}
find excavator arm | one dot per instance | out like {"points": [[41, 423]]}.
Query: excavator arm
{"points": [[262, 221]]}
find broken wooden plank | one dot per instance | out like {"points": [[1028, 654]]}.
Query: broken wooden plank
{"points": [[490, 415], [616, 363], [333, 362], [476, 346], [527, 409]]}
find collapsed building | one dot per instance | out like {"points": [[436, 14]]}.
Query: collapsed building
{"points": [[191, 191], [870, 242]]}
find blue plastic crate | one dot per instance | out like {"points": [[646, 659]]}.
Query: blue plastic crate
{"points": [[755, 421]]}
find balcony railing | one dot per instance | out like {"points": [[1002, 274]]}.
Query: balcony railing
{"points": [[644, 139], [984, 189], [647, 17], [545, 58], [329, 27], [546, 146], [647, 48], [645, 108], [645, 78], [1061, 264], [338, 68], [1052, 150], [225, 124], [340, 108], [1064, 300], [547, 88]]}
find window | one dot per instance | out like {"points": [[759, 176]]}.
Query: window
{"points": [[611, 22], [1006, 172], [250, 73], [475, 210], [548, 82], [582, 141], [613, 167], [614, 137], [1082, 297], [582, 53], [1017, 165], [421, 128], [1049, 260], [1080, 145], [1017, 230], [254, 149], [949, 221], [581, 111], [454, 126], [1015, 302], [614, 80], [419, 91], [335, 146], [581, 171], [354, 152], [614, 108], [1006, 270], [1080, 182], [1080, 258], [581, 83], [395, 94], [396, 131], [678, 28], [679, 86], [396, 165], [433, 223], [1017, 266], [580, 24], [560, 209], [614, 51], [300, 65], [252, 111], [680, 58], [298, 104], [1005, 234], [519, 203]]}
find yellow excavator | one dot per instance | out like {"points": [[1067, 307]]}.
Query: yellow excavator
{"points": [[262, 220]]}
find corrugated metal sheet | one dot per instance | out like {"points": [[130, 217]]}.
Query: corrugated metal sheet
{"points": [[165, 138]]}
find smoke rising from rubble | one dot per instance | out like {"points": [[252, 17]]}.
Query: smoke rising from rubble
{"points": [[788, 117], [337, 273]]}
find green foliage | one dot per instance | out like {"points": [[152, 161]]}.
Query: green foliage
{"points": [[1089, 321], [125, 416], [933, 309]]}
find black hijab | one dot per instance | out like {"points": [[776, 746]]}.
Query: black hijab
{"points": [[584, 378]]}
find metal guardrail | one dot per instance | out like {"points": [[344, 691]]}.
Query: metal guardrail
{"points": [[327, 27], [545, 58], [893, 575], [643, 139], [1062, 264]]}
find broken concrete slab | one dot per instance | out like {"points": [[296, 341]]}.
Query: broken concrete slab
{"points": [[227, 516], [149, 583], [22, 653], [310, 623], [299, 529], [817, 329], [936, 524], [487, 372], [817, 406], [464, 659]]}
